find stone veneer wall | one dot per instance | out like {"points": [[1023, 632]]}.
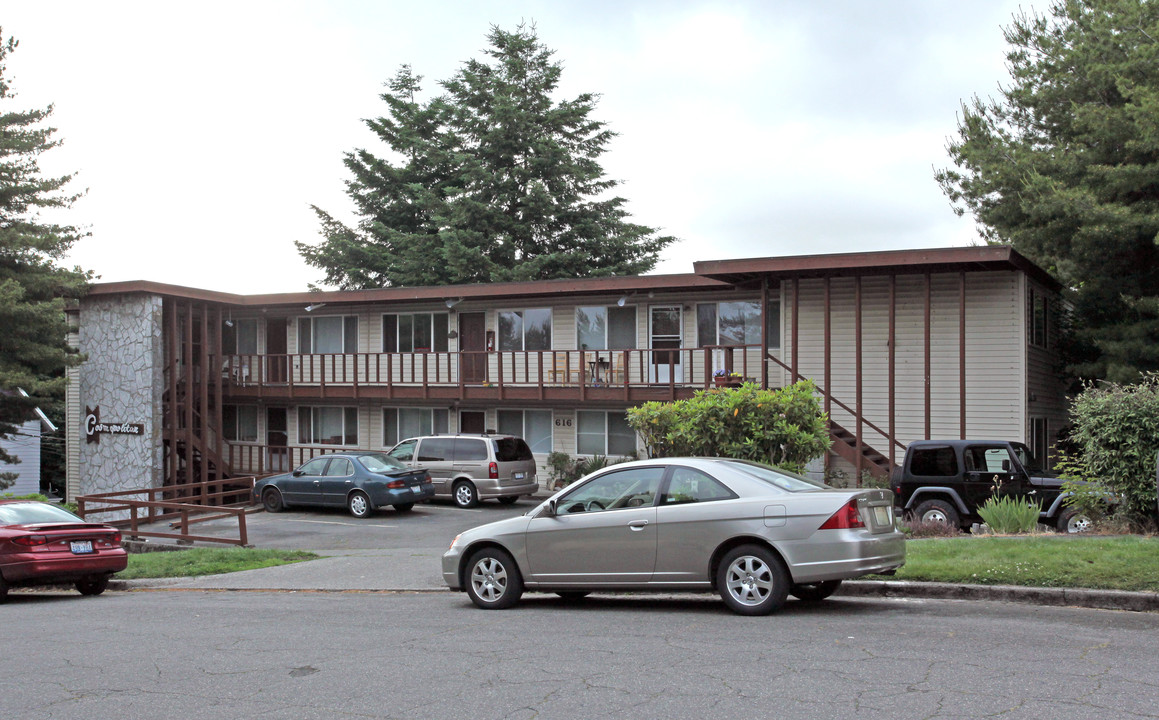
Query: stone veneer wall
{"points": [[124, 375]]}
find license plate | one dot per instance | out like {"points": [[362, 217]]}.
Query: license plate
{"points": [[881, 515], [81, 547], [518, 476]]}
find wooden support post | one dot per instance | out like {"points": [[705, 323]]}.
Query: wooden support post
{"points": [[764, 337], [962, 351], [858, 361], [796, 325], [928, 368], [828, 360], [892, 367]]}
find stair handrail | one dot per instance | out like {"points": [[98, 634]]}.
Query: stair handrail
{"points": [[824, 391]]}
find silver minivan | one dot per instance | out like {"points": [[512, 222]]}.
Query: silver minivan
{"points": [[470, 468]]}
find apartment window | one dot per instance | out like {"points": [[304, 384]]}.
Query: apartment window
{"points": [[328, 426], [606, 328], [736, 323], [401, 423], [534, 426], [528, 330], [239, 423], [241, 339], [604, 433], [415, 332], [1039, 308], [324, 335]]}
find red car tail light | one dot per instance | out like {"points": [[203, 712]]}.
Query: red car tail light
{"points": [[396, 484], [493, 471], [115, 538], [30, 540], [844, 519]]}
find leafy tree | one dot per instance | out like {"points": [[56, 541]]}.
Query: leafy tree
{"points": [[491, 181], [1064, 166], [33, 345]]}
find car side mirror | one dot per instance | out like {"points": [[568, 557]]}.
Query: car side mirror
{"points": [[297, 473], [1005, 466], [550, 508]]}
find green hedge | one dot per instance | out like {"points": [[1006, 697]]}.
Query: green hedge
{"points": [[784, 427], [1116, 428]]}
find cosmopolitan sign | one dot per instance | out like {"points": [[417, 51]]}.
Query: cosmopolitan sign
{"points": [[94, 428]]}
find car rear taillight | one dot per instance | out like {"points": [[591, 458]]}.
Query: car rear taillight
{"points": [[115, 538], [396, 484], [844, 519], [493, 471], [30, 540]]}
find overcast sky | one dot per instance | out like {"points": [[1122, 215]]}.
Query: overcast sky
{"points": [[204, 131]]}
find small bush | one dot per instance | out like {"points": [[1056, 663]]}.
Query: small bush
{"points": [[565, 469], [918, 528], [1116, 427], [1009, 516], [784, 427]]}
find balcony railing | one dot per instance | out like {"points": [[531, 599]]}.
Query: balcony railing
{"points": [[678, 367]]}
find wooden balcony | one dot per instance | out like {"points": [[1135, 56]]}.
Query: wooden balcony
{"points": [[556, 376]]}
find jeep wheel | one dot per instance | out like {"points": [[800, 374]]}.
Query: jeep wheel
{"points": [[1072, 521], [938, 511]]}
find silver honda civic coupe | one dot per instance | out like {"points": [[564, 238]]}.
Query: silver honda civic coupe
{"points": [[752, 533]]}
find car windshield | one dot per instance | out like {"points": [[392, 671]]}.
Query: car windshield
{"points": [[775, 476], [1029, 462], [34, 513], [380, 462]]}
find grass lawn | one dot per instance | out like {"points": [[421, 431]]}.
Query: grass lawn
{"points": [[206, 561], [1123, 562]]}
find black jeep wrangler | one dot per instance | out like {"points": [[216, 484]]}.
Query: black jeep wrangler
{"points": [[947, 480]]}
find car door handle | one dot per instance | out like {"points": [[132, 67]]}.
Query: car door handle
{"points": [[638, 525]]}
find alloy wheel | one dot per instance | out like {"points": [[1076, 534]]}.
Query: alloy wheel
{"points": [[749, 580]]}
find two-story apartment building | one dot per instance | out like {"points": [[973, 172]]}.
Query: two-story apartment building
{"points": [[185, 385]]}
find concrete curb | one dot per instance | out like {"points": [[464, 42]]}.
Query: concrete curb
{"points": [[1058, 597], [1068, 597]]}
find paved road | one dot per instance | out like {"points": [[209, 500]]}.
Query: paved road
{"points": [[201, 655]]}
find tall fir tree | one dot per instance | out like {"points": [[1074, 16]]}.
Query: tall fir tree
{"points": [[1064, 166], [34, 351], [491, 181]]}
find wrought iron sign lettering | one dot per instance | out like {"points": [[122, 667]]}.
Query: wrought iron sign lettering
{"points": [[94, 428]]}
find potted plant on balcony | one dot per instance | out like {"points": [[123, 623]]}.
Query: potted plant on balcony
{"points": [[724, 378]]}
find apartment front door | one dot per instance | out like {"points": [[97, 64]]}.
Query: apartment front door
{"points": [[665, 337], [277, 454], [277, 365], [472, 421], [473, 347]]}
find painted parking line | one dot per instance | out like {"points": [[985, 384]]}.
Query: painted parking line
{"points": [[352, 524]]}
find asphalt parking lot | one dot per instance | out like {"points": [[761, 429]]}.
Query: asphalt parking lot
{"points": [[430, 525]]}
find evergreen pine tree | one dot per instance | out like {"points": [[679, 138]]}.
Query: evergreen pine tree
{"points": [[491, 181], [33, 290], [1064, 166]]}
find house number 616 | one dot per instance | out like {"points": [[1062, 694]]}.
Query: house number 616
{"points": [[563, 422]]}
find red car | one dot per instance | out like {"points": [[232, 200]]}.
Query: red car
{"points": [[42, 544]]}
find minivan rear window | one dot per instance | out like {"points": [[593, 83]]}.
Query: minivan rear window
{"points": [[511, 450]]}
